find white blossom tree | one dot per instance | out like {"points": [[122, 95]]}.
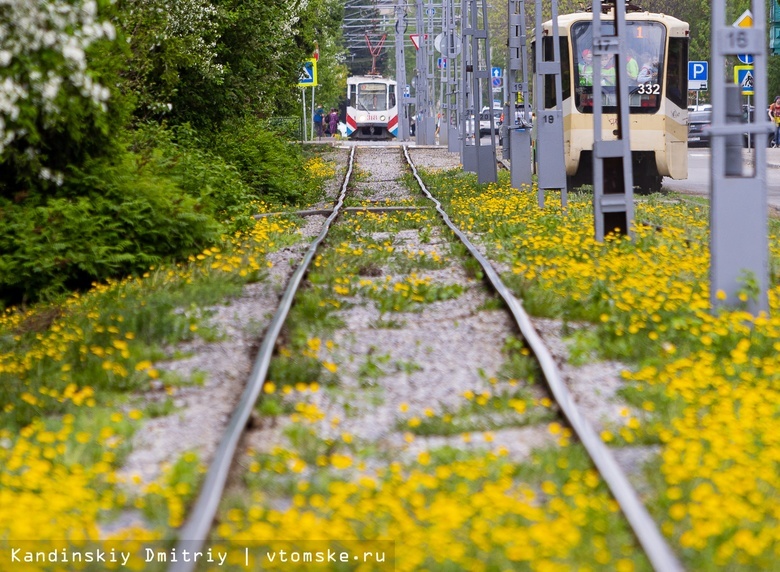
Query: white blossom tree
{"points": [[44, 72]]}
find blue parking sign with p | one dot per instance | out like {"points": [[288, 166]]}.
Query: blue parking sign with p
{"points": [[698, 71]]}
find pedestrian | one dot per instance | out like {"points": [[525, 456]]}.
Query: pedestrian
{"points": [[333, 121], [774, 116], [412, 125], [646, 72], [319, 116]]}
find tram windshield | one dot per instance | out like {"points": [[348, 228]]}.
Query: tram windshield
{"points": [[644, 66], [371, 97]]}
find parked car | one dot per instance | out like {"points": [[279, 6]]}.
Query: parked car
{"points": [[700, 121], [484, 120]]}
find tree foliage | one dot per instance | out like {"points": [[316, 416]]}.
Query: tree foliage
{"points": [[131, 131], [57, 72]]}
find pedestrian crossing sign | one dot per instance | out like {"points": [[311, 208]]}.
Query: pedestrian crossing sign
{"points": [[743, 76], [308, 75]]}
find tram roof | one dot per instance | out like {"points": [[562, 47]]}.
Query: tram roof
{"points": [[367, 78], [675, 26]]}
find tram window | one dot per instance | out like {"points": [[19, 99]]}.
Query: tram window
{"points": [[644, 61], [549, 80], [372, 97], [677, 72], [392, 95]]}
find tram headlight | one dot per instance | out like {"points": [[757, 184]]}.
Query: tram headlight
{"points": [[362, 118], [381, 118]]}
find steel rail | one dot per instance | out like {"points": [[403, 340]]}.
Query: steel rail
{"points": [[192, 534], [658, 551], [324, 212]]}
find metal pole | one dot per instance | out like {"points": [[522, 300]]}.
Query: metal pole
{"points": [[312, 113], [613, 179], [430, 75], [468, 153], [478, 72], [739, 245], [400, 71], [305, 123], [550, 165], [421, 73], [517, 138]]}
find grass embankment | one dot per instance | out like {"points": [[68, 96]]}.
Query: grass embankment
{"points": [[706, 383], [704, 387], [71, 375]]}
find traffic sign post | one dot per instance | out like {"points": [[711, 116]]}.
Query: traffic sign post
{"points": [[698, 75]]}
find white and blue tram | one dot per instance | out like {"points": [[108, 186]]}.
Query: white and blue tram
{"points": [[372, 111]]}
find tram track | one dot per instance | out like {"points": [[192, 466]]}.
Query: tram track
{"points": [[196, 529]]}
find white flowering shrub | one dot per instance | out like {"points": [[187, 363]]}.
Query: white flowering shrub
{"points": [[171, 44], [44, 70]]}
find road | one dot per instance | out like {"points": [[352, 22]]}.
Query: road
{"points": [[698, 181]]}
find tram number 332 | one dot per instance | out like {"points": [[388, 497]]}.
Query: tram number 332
{"points": [[649, 89]]}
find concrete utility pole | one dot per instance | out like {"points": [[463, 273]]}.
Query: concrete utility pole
{"points": [[739, 245], [613, 179]]}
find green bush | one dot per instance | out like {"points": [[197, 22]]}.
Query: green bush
{"points": [[178, 155], [267, 163], [108, 220]]}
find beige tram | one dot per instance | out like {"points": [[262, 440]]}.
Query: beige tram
{"points": [[658, 90]]}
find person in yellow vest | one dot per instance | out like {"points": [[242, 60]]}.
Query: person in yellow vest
{"points": [[585, 68], [632, 67], [608, 71]]}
